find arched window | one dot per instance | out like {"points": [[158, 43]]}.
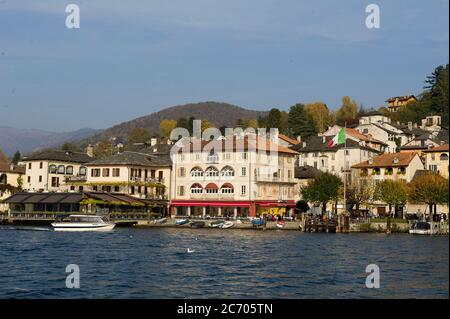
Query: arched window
{"points": [[69, 170], [444, 157], [3, 179], [227, 171], [82, 171], [61, 169], [196, 189], [211, 188], [52, 169], [211, 172], [196, 172], [227, 188]]}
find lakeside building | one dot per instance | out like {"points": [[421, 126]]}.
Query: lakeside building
{"points": [[49, 171], [11, 179], [237, 176], [316, 153], [394, 104], [138, 174], [436, 160], [47, 206], [397, 166]]}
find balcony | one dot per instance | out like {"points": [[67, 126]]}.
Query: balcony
{"points": [[215, 196], [75, 179], [137, 179], [273, 179]]}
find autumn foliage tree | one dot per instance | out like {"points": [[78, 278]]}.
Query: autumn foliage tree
{"points": [[348, 110], [165, 127], [431, 189], [320, 114], [360, 192], [392, 192], [322, 189]]}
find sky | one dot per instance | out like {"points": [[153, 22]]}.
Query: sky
{"points": [[131, 58]]}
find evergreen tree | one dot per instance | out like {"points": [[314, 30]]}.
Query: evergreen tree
{"points": [[299, 122], [16, 158]]}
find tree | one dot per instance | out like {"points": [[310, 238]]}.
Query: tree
{"points": [[16, 158], [300, 123], [138, 135], [70, 147], [183, 122], [436, 92], [19, 183], [348, 110], [392, 192], [166, 127], [431, 189], [103, 149], [322, 189], [320, 114], [360, 192]]}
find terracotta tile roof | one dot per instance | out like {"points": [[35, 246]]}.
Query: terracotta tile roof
{"points": [[288, 139], [241, 144], [7, 168], [441, 148], [401, 98], [388, 160]]}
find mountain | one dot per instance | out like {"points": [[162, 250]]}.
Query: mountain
{"points": [[220, 114], [28, 140]]}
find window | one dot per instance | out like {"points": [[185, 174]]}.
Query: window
{"points": [[181, 172], [41, 165], [332, 156], [432, 168], [244, 155], [61, 169], [196, 172], [212, 157], [180, 191], [289, 174], [55, 181], [29, 179], [116, 172], [197, 156], [52, 169], [212, 172], [116, 189], [69, 170], [95, 172], [40, 179], [243, 189], [29, 165], [105, 172], [211, 188], [196, 189], [227, 156], [244, 171], [433, 156], [160, 175], [82, 171], [227, 189], [227, 171], [444, 157]]}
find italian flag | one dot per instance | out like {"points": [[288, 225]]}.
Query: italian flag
{"points": [[338, 139]]}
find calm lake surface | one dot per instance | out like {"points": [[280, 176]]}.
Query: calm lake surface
{"points": [[154, 263]]}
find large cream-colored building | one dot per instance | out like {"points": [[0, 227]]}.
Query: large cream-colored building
{"points": [[234, 177], [49, 171]]}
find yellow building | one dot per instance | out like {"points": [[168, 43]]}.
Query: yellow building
{"points": [[397, 102], [436, 159]]}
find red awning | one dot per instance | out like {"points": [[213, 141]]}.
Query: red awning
{"points": [[211, 186], [211, 203], [227, 185]]}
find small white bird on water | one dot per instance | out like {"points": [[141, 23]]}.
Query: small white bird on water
{"points": [[190, 251]]}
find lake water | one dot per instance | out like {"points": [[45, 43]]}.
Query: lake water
{"points": [[154, 263]]}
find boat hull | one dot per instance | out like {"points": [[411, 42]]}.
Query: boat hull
{"points": [[76, 227], [227, 225]]}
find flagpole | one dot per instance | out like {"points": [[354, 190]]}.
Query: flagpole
{"points": [[345, 169]]}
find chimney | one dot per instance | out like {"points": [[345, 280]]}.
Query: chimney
{"points": [[304, 144], [324, 139], [299, 138], [153, 141], [90, 150], [410, 126]]}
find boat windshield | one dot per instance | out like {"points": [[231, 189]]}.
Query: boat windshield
{"points": [[86, 219], [424, 226]]}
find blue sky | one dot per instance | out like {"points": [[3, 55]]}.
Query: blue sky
{"points": [[131, 58]]}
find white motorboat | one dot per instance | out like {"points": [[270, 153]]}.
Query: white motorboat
{"points": [[421, 228], [226, 225], [83, 223]]}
